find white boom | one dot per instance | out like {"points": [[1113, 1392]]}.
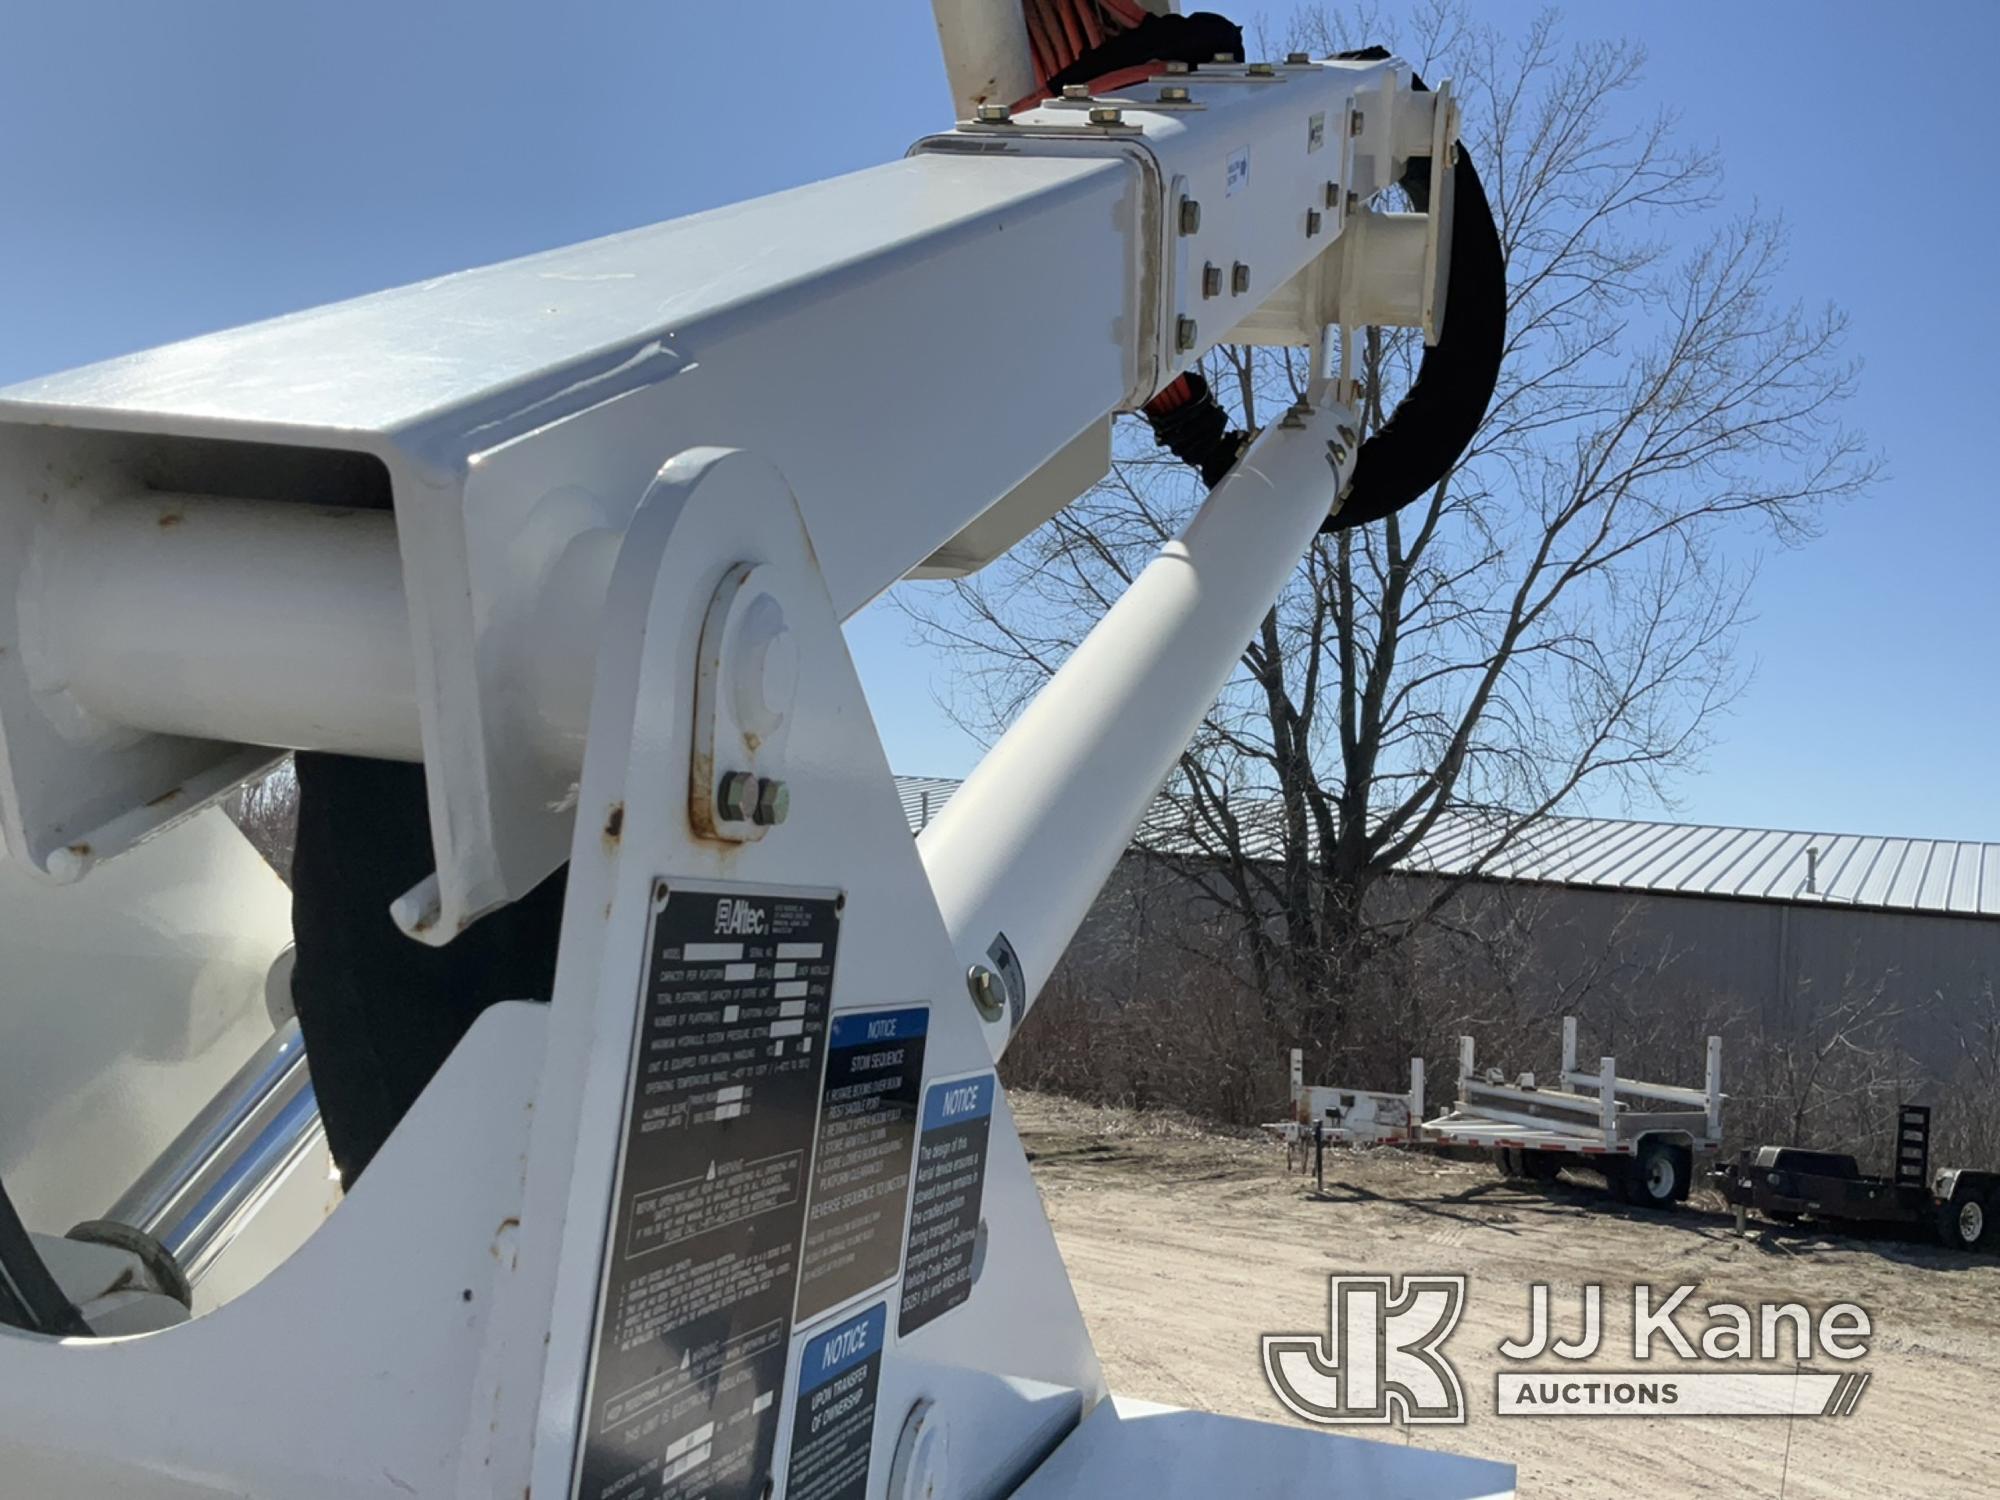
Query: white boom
{"points": [[742, 1212]]}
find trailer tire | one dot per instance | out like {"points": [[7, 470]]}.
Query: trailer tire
{"points": [[1966, 1223], [1508, 1160], [1659, 1175], [1543, 1166]]}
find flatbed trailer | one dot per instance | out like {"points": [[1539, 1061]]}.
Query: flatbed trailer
{"points": [[1644, 1137], [1785, 1184]]}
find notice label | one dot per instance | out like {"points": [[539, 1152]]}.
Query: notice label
{"points": [[1236, 172], [945, 1204], [833, 1428], [861, 1176], [687, 1371]]}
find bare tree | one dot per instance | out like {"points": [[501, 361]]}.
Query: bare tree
{"points": [[1557, 619]]}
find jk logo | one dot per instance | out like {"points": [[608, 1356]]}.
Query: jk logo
{"points": [[1379, 1359]]}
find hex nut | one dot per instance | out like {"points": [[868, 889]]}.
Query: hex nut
{"points": [[1262, 70], [1105, 114], [1190, 216], [1076, 91], [1297, 59], [1174, 93], [1211, 280], [1312, 222], [1355, 121], [736, 797], [1239, 279], [1185, 333], [994, 114], [1178, 67], [1333, 195], [774, 802]]}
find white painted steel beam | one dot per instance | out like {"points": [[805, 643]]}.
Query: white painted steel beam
{"points": [[907, 345]]}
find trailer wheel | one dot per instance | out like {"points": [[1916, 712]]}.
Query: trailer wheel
{"points": [[1508, 1160], [1659, 1175], [1965, 1223], [1543, 1166]]}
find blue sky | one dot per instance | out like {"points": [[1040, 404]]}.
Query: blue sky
{"points": [[169, 168]]}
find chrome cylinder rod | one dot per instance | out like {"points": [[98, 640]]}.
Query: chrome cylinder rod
{"points": [[210, 1181]]}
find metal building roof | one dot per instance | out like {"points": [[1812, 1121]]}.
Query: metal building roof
{"points": [[1944, 876]]}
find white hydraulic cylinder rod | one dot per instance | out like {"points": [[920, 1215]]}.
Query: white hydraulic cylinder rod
{"points": [[246, 620], [1024, 846]]}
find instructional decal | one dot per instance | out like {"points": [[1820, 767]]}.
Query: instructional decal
{"points": [[944, 1209], [1315, 132], [701, 1263], [1237, 172], [861, 1176], [833, 1429]]}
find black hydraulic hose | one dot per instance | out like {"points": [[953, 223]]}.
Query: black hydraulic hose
{"points": [[1439, 415], [29, 1296]]}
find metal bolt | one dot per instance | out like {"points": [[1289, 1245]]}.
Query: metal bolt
{"points": [[1211, 280], [1076, 91], [1354, 122], [1185, 331], [1298, 59], [774, 803], [1295, 415], [1239, 279], [1190, 216], [1105, 114], [1262, 70], [1333, 195], [1312, 222], [1347, 434], [994, 114], [1451, 155], [1173, 93], [1353, 202], [1224, 57], [736, 797], [1178, 67], [1339, 453], [987, 992]]}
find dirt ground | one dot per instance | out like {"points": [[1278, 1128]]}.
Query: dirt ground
{"points": [[1184, 1246]]}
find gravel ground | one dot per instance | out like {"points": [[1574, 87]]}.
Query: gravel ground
{"points": [[1185, 1245]]}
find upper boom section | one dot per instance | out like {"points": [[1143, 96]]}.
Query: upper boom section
{"points": [[911, 346]]}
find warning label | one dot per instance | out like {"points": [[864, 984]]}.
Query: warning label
{"points": [[861, 1177], [702, 1258], [945, 1204], [833, 1429]]}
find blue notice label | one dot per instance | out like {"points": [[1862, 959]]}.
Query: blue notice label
{"points": [[880, 1026], [956, 1103], [833, 1354]]}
